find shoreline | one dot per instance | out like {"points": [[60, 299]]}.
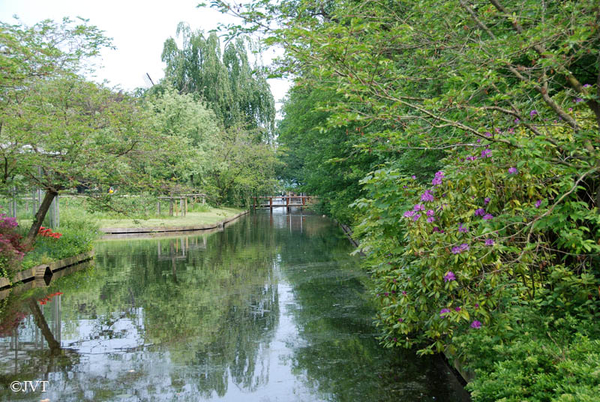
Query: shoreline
{"points": [[42, 271], [111, 233]]}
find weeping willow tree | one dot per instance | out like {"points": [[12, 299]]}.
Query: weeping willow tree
{"points": [[235, 88]]}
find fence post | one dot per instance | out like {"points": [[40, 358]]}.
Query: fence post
{"points": [[14, 202], [57, 211], [34, 206]]}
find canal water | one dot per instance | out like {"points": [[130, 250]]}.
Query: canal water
{"points": [[273, 308]]}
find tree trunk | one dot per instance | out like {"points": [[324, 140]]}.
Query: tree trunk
{"points": [[40, 321], [40, 215]]}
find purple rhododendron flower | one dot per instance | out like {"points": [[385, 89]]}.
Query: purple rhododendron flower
{"points": [[488, 134], [413, 177], [513, 170], [440, 174], [476, 324], [486, 153], [489, 242], [476, 305], [487, 217], [449, 276], [511, 130], [486, 200], [538, 203], [462, 229], [400, 320], [533, 113], [427, 196], [409, 214], [586, 85], [478, 139], [416, 217], [577, 100], [471, 158], [517, 121], [460, 249], [431, 219], [479, 212], [430, 212], [419, 207], [404, 292], [457, 309], [436, 181], [444, 311]]}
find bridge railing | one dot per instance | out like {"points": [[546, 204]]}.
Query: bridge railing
{"points": [[287, 201]]}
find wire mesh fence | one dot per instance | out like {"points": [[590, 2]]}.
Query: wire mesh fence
{"points": [[24, 203]]}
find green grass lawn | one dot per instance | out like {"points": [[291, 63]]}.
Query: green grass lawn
{"points": [[213, 215]]}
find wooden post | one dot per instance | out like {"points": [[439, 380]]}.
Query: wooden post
{"points": [[14, 202], [186, 206], [158, 208], [56, 212], [271, 204], [170, 206], [287, 203], [34, 206], [53, 213]]}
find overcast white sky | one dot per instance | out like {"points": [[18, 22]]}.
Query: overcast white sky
{"points": [[138, 28]]}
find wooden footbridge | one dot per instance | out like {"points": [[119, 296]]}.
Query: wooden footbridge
{"points": [[283, 201]]}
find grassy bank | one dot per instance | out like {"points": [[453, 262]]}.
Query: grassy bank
{"points": [[212, 215]]}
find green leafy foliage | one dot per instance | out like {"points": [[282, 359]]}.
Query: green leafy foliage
{"points": [[234, 89]]}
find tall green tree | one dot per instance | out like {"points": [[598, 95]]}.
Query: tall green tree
{"points": [[194, 125], [66, 132], [244, 166], [45, 50], [235, 89]]}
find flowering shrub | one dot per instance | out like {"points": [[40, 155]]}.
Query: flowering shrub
{"points": [[76, 237], [11, 248], [47, 232], [514, 226]]}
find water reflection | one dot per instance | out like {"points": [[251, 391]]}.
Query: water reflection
{"points": [[271, 309]]}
